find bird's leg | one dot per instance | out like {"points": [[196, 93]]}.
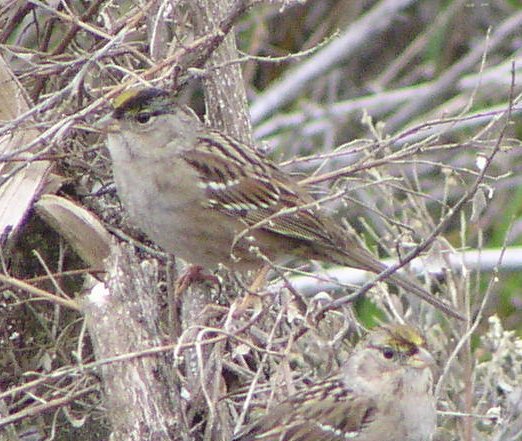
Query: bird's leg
{"points": [[193, 273]]}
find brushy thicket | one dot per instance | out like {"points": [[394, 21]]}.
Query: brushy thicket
{"points": [[407, 112]]}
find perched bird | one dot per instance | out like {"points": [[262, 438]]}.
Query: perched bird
{"points": [[382, 393], [209, 199]]}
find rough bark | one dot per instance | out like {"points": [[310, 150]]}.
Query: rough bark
{"points": [[122, 316], [225, 94]]}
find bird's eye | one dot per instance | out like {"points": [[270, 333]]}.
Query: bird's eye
{"points": [[388, 352], [143, 117]]}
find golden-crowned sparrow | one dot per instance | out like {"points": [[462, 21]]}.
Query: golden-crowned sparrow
{"points": [[382, 392], [209, 199]]}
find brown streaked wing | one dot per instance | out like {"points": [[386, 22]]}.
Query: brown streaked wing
{"points": [[230, 186], [327, 412], [300, 223], [242, 184]]}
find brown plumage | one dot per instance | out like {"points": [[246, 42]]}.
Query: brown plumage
{"points": [[210, 199]]}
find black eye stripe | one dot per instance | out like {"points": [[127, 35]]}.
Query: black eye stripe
{"points": [[389, 352], [145, 116], [122, 113]]}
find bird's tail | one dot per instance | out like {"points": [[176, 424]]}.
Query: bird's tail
{"points": [[364, 260], [413, 288]]}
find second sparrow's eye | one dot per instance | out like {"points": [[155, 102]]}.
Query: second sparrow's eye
{"points": [[388, 353], [143, 117]]}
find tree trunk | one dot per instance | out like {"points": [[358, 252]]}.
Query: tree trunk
{"points": [[143, 402]]}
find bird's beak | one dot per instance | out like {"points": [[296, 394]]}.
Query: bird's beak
{"points": [[422, 359], [107, 125]]}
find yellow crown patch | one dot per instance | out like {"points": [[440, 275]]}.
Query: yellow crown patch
{"points": [[405, 335], [124, 97]]}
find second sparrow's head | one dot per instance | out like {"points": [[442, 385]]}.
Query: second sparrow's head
{"points": [[393, 352]]}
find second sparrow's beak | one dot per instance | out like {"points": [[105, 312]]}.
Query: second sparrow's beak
{"points": [[107, 125], [422, 359]]}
